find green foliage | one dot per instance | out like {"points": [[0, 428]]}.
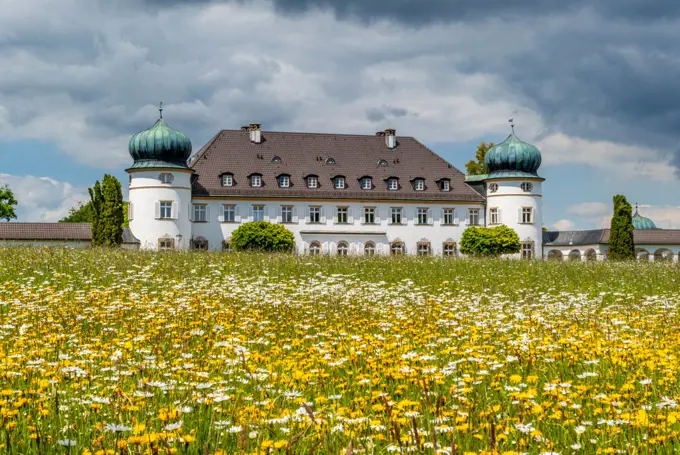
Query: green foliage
{"points": [[477, 166], [7, 204], [82, 213], [621, 243], [482, 241], [262, 236], [108, 214]]}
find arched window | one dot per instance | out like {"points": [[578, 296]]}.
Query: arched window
{"points": [[276, 160], [449, 249], [199, 243], [382, 163], [424, 249], [369, 249], [343, 248], [397, 248], [330, 161], [166, 177], [314, 248]]}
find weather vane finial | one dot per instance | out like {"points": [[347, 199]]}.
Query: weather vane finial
{"points": [[512, 124], [160, 108]]}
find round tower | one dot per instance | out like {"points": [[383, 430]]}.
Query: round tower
{"points": [[513, 191], [160, 187]]}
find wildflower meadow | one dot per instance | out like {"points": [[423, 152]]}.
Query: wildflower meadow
{"points": [[121, 352]]}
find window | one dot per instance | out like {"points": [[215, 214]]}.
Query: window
{"points": [[131, 211], [166, 177], [276, 160], [369, 249], [366, 183], [284, 181], [527, 250], [397, 248], [382, 163], [449, 216], [343, 249], [369, 215], [286, 213], [396, 215], [526, 215], [258, 213], [330, 161], [493, 216], [256, 180], [449, 249], [473, 215], [342, 215], [166, 210], [445, 185], [339, 183], [419, 185], [493, 187], [526, 186], [229, 213], [315, 214], [424, 249], [227, 180], [315, 248], [166, 244], [312, 181], [226, 246], [200, 213], [392, 184], [199, 244], [422, 215]]}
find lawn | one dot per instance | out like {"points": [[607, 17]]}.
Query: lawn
{"points": [[115, 352]]}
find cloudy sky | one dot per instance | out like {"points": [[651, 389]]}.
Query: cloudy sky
{"points": [[595, 85]]}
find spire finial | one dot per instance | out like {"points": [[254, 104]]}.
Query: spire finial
{"points": [[512, 124], [160, 109], [636, 208]]}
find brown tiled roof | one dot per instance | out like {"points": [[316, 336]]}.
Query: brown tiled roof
{"points": [[53, 231], [601, 236], [304, 154]]}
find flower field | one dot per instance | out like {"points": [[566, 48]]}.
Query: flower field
{"points": [[140, 353]]}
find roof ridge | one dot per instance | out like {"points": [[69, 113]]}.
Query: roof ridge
{"points": [[315, 134]]}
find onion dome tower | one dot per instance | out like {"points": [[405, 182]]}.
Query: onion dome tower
{"points": [[160, 187], [513, 191], [642, 223]]}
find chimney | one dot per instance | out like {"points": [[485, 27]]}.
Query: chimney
{"points": [[391, 138], [255, 130]]}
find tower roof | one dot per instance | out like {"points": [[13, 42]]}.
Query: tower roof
{"points": [[159, 146], [513, 157], [642, 223]]}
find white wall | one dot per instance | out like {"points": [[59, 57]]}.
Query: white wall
{"points": [[329, 233], [145, 191], [509, 199]]}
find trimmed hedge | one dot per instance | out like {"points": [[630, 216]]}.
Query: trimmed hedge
{"points": [[262, 236], [495, 241]]}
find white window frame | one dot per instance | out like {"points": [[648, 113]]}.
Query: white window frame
{"points": [[527, 187], [494, 215], [165, 210], [131, 211], [315, 210], [168, 247], [256, 181], [287, 212], [231, 210], [199, 213], [260, 209], [312, 182], [343, 248], [339, 212], [493, 187], [339, 183], [473, 217], [284, 181], [449, 249], [397, 249], [527, 250], [419, 185], [397, 212], [366, 183], [449, 217], [392, 184], [315, 248], [527, 215], [370, 215], [446, 185], [369, 248], [423, 249], [166, 177], [227, 180], [422, 215]]}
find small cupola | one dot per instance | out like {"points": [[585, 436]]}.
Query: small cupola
{"points": [[513, 158], [255, 130]]}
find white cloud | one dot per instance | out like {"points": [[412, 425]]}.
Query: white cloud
{"points": [[42, 198], [589, 209], [664, 216], [564, 225]]}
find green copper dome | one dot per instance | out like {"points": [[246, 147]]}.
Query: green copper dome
{"points": [[642, 223], [159, 146], [513, 157]]}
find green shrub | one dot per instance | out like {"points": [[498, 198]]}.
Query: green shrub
{"points": [[621, 245], [262, 236], [482, 241]]}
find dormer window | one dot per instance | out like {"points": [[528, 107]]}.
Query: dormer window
{"points": [[312, 181], [256, 181], [366, 183], [382, 163], [419, 184], [445, 185], [392, 184], [276, 160], [284, 181], [166, 177], [227, 180], [339, 183], [330, 161]]}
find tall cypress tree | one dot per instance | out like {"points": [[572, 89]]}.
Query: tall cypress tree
{"points": [[97, 200], [621, 244], [108, 216]]}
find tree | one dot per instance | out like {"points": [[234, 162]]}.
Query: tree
{"points": [[107, 212], [482, 241], [262, 236], [7, 204], [621, 243], [477, 166], [83, 213]]}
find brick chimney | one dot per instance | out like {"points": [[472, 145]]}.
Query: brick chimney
{"points": [[391, 138], [255, 130]]}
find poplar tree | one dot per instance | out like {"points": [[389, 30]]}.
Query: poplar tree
{"points": [[108, 215], [621, 243]]}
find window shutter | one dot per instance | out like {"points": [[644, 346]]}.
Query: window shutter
{"points": [[352, 248], [191, 212], [482, 215], [456, 220], [519, 215], [295, 215], [175, 210], [158, 210], [323, 215], [237, 213], [131, 211], [499, 216], [350, 217], [250, 213], [308, 217], [430, 220], [265, 213], [404, 215], [207, 213], [221, 217], [442, 216]]}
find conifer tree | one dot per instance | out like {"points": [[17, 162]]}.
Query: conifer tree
{"points": [[621, 244], [97, 200], [107, 212]]}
